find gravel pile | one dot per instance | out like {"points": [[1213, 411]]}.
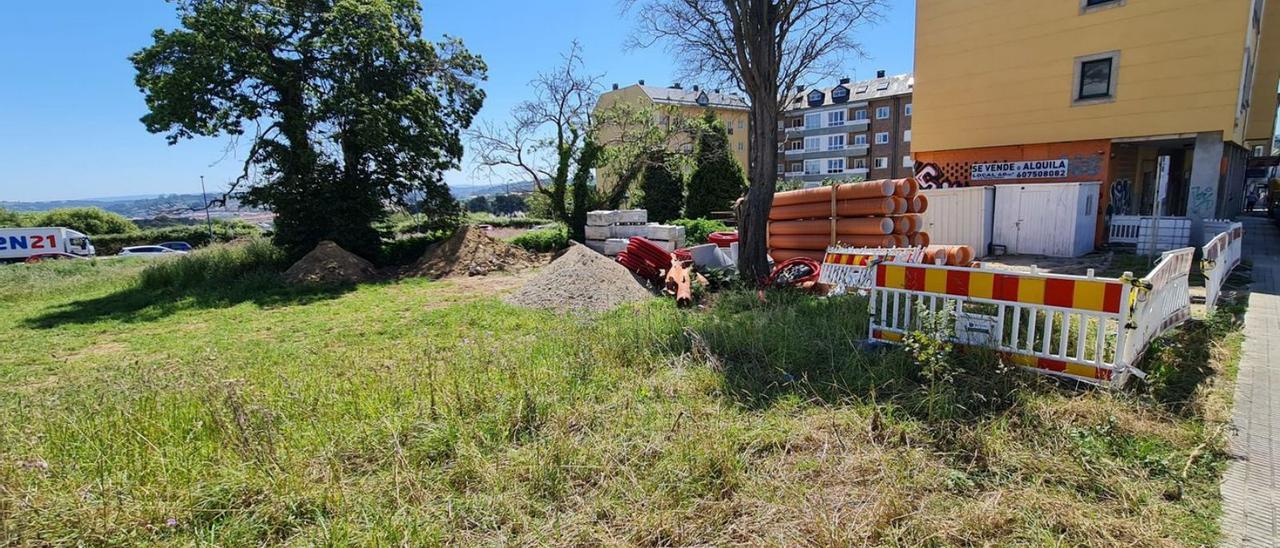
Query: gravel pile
{"points": [[581, 280], [330, 264], [471, 252]]}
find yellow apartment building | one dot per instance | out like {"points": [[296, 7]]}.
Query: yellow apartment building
{"points": [[1104, 86], [676, 101]]}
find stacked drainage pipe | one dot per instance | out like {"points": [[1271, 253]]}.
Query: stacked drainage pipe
{"points": [[884, 213], [645, 259]]}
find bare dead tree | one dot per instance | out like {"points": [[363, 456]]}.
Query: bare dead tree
{"points": [[545, 136], [763, 47]]}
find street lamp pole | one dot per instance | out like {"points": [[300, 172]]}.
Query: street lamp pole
{"points": [[207, 219]]}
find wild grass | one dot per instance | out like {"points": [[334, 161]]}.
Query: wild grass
{"points": [[412, 413]]}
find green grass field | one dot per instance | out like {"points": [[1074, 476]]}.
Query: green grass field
{"points": [[190, 404]]}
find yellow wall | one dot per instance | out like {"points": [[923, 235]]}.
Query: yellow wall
{"points": [[1262, 110], [738, 141], [1000, 72]]}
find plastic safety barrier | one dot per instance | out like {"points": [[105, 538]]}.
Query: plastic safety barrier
{"points": [[1218, 258], [846, 267], [1083, 327]]}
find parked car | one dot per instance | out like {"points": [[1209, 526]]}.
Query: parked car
{"points": [[149, 251], [52, 256], [176, 246]]}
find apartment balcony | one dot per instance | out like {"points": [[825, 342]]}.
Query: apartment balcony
{"points": [[826, 152]]}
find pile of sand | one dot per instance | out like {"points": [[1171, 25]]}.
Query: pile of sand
{"points": [[330, 264], [580, 280], [471, 252]]}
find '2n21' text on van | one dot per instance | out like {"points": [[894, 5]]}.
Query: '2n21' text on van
{"points": [[17, 244]]}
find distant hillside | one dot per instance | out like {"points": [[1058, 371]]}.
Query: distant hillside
{"points": [[465, 192], [132, 207]]}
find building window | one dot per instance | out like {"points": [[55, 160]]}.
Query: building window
{"points": [[795, 167], [812, 121], [1259, 151], [882, 138], [782, 168], [812, 144], [882, 162], [835, 118], [835, 165], [906, 136], [740, 146], [860, 114], [1087, 6], [882, 113], [835, 142], [859, 163], [742, 124], [1095, 77], [906, 110], [906, 161], [860, 139], [812, 167], [730, 130]]}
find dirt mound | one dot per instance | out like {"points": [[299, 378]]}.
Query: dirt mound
{"points": [[580, 280], [471, 252], [330, 264]]}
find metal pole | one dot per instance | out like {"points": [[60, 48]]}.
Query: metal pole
{"points": [[208, 220]]}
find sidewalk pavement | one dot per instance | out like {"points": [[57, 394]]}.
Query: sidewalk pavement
{"points": [[1251, 488]]}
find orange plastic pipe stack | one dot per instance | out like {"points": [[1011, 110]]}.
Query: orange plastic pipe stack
{"points": [[952, 255], [882, 213]]}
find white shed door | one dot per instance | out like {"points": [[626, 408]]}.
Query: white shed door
{"points": [[1036, 219]]}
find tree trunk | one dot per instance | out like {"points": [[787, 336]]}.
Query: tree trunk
{"points": [[753, 261]]}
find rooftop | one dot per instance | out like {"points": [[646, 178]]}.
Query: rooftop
{"points": [[863, 90], [694, 97]]}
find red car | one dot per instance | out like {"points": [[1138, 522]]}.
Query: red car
{"points": [[54, 256]]}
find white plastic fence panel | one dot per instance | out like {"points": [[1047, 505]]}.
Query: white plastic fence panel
{"points": [[848, 267], [1071, 326], [1174, 233], [1219, 257], [1163, 301], [960, 216]]}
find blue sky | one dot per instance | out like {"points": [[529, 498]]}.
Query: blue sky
{"points": [[69, 110]]}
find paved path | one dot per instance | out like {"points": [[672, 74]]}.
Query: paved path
{"points": [[1251, 488]]}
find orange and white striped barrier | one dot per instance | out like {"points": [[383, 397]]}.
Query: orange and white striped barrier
{"points": [[846, 267], [1082, 327]]}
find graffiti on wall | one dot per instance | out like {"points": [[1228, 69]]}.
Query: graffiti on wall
{"points": [[1121, 198], [929, 175], [1203, 201]]}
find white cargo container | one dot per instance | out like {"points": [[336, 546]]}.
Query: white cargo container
{"points": [[17, 244], [960, 216], [1054, 219]]}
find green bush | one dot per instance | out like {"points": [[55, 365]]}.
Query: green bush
{"points": [[718, 179], [216, 265], [197, 236], [408, 249], [10, 218], [541, 241], [89, 220], [662, 189], [697, 230]]}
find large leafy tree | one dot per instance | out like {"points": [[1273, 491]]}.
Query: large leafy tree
{"points": [[762, 47], [348, 109], [717, 178], [662, 188]]}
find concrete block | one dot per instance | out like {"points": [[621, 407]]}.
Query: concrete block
{"points": [[614, 246], [651, 231], [599, 232], [617, 216]]}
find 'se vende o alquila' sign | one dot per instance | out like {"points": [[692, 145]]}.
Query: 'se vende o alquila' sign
{"points": [[1034, 169]]}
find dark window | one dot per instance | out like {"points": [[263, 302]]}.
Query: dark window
{"points": [[1095, 79], [1092, 3]]}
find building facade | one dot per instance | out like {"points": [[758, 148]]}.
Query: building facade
{"points": [[1018, 92], [669, 105], [850, 131]]}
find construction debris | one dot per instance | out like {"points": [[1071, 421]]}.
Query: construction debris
{"points": [[471, 252], [581, 280], [329, 264], [607, 231]]}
